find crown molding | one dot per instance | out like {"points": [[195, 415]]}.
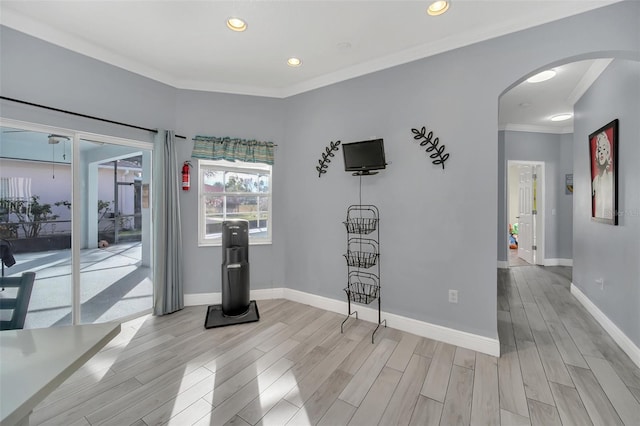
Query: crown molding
{"points": [[44, 31], [233, 89], [432, 49], [588, 79], [532, 128]]}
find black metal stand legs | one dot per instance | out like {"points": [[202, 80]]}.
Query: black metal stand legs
{"points": [[380, 320]]}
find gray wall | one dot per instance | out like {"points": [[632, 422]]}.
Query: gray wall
{"points": [[565, 201], [600, 250], [438, 229], [503, 208], [431, 219], [248, 117], [42, 73], [548, 148]]}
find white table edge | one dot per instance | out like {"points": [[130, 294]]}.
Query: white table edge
{"points": [[24, 410]]}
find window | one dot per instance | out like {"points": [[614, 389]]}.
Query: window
{"points": [[234, 190]]}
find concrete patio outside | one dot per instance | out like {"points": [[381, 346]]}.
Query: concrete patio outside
{"points": [[113, 284]]}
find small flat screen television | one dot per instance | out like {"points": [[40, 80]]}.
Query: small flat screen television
{"points": [[364, 156]]}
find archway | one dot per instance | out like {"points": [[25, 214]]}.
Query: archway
{"points": [[602, 281], [600, 61]]}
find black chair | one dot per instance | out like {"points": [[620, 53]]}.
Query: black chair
{"points": [[6, 255], [19, 303]]}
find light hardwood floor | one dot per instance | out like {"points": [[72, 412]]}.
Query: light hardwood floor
{"points": [[293, 367]]}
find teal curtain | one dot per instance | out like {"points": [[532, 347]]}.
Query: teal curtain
{"points": [[232, 149], [168, 292]]}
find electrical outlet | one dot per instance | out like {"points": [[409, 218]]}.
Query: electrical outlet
{"points": [[600, 282], [453, 296]]}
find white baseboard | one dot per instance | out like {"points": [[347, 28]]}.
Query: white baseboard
{"points": [[504, 264], [214, 298], [463, 339], [197, 299], [267, 293], [616, 334], [558, 262]]}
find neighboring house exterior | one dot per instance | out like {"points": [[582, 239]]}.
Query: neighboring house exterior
{"points": [[20, 180]]}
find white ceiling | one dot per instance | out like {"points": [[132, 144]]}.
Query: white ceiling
{"points": [[530, 106], [186, 43]]}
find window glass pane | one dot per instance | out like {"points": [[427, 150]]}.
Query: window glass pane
{"points": [[234, 191], [214, 204], [212, 181], [241, 182], [264, 184], [115, 275], [247, 207], [264, 206], [233, 206], [241, 206], [214, 215], [260, 228], [255, 209], [35, 218]]}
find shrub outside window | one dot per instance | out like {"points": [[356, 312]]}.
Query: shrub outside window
{"points": [[234, 190]]}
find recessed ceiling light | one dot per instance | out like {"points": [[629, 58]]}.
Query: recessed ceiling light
{"points": [[438, 8], [236, 24], [294, 62], [542, 76], [561, 117]]}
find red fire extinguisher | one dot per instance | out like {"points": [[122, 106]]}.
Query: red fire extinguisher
{"points": [[186, 176]]}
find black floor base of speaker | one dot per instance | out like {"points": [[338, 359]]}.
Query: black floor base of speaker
{"points": [[216, 318]]}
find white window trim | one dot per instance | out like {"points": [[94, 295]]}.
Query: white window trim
{"points": [[231, 167]]}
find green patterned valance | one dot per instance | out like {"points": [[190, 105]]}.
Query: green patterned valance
{"points": [[232, 149]]}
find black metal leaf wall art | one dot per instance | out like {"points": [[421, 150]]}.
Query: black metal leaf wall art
{"points": [[436, 150], [328, 152]]}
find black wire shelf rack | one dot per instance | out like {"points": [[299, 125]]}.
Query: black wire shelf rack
{"points": [[363, 287], [358, 259], [363, 252], [361, 220]]}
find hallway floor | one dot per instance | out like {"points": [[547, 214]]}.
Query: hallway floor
{"points": [[514, 260], [572, 370]]}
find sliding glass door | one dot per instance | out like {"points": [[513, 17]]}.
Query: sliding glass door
{"points": [[76, 210], [115, 254], [35, 220]]}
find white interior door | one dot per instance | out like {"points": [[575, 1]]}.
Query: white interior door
{"points": [[525, 219]]}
